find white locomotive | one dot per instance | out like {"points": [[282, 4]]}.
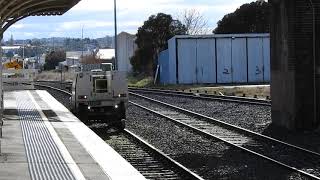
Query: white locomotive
{"points": [[100, 94]]}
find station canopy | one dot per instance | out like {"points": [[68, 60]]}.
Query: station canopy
{"points": [[12, 11]]}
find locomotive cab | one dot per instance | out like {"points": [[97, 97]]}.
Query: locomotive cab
{"points": [[100, 95]]}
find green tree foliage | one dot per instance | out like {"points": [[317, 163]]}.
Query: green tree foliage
{"points": [[249, 18], [152, 38], [9, 54], [53, 59]]}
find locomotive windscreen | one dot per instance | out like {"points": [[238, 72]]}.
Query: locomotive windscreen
{"points": [[101, 85]]}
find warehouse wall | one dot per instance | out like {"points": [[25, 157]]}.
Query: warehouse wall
{"points": [[164, 67], [172, 71], [126, 49], [235, 58], [206, 65]]}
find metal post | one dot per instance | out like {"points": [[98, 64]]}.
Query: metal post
{"points": [[23, 54], [61, 75], [82, 44], [314, 62], [115, 36], [1, 92]]}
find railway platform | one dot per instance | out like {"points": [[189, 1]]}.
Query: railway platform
{"points": [[42, 140]]}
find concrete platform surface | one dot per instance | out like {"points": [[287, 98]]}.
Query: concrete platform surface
{"points": [[42, 140]]}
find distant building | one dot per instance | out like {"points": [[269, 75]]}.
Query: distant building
{"points": [[126, 49], [74, 57], [31, 63], [105, 54], [14, 49], [42, 59]]}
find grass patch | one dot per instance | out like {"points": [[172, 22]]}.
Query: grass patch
{"points": [[259, 91], [140, 81]]}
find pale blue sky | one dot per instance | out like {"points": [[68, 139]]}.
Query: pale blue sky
{"points": [[96, 16]]}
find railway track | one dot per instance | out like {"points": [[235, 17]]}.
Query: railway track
{"points": [[202, 96], [289, 156], [152, 163], [149, 161], [195, 95]]}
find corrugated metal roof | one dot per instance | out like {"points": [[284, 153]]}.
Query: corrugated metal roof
{"points": [[209, 36], [12, 11]]}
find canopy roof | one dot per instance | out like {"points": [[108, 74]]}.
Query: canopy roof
{"points": [[12, 11]]}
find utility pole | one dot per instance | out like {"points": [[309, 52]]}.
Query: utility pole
{"points": [[1, 95], [115, 36], [82, 44], [23, 54], [53, 48]]}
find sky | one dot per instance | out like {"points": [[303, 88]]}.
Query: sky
{"points": [[96, 17]]}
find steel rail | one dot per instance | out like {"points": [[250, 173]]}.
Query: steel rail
{"points": [[163, 155], [234, 99], [57, 89], [202, 132]]}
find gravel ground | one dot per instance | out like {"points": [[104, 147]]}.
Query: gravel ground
{"points": [[282, 153], [253, 117], [208, 158]]}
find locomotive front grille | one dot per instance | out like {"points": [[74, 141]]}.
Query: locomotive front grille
{"points": [[94, 103]]}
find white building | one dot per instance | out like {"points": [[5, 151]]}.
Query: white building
{"points": [[14, 49], [126, 49], [74, 57], [105, 54], [42, 59]]}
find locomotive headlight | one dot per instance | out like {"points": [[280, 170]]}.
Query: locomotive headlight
{"points": [[122, 95], [82, 97], [116, 106], [89, 107]]}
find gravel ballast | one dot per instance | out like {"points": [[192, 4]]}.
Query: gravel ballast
{"points": [[208, 158], [252, 117]]}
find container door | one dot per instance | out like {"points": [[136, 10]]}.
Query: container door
{"points": [[239, 60], [187, 54], [266, 59], [206, 63], [163, 61], [224, 70], [255, 60]]}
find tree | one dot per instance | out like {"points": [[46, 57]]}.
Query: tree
{"points": [[152, 38], [53, 59], [10, 55], [194, 21], [249, 18]]}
